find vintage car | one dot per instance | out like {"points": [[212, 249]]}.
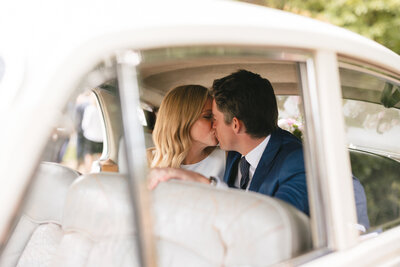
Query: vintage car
{"points": [[337, 91]]}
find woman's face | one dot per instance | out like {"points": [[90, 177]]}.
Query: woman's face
{"points": [[202, 132]]}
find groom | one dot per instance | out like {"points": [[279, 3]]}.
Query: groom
{"points": [[262, 157]]}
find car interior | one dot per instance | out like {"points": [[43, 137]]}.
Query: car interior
{"points": [[86, 219]]}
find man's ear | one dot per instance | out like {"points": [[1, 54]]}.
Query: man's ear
{"points": [[238, 126]]}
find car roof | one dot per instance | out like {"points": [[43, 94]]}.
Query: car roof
{"points": [[45, 37], [65, 25]]}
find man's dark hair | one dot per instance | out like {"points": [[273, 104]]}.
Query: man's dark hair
{"points": [[250, 98]]}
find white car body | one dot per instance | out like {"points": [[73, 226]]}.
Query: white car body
{"points": [[48, 47]]}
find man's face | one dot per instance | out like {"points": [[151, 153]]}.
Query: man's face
{"points": [[223, 131]]}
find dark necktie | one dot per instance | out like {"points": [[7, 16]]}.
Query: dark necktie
{"points": [[244, 170]]}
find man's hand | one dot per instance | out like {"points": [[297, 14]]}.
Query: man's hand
{"points": [[157, 175]]}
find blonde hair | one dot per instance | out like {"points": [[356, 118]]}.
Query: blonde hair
{"points": [[179, 110]]}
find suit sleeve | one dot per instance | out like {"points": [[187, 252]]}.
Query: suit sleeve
{"points": [[292, 181], [361, 203]]}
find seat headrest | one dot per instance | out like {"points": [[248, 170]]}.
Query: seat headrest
{"points": [[99, 205], [45, 201]]}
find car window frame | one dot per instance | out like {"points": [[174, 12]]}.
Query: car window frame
{"points": [[383, 75], [327, 236]]}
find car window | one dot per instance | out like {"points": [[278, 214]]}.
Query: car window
{"points": [[371, 112], [290, 116], [88, 134], [164, 69], [372, 119], [77, 138], [380, 178], [76, 194]]}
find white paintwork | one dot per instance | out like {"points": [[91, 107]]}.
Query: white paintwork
{"points": [[383, 250], [49, 45], [47, 33], [336, 183]]}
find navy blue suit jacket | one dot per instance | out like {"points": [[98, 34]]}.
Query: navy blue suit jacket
{"points": [[280, 172]]}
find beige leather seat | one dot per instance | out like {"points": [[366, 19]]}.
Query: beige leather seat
{"points": [[97, 225], [206, 226], [38, 231], [194, 225]]}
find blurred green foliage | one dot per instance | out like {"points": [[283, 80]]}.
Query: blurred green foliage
{"points": [[378, 20], [380, 177]]}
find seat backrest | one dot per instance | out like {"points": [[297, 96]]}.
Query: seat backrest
{"points": [[212, 227], [98, 228], [194, 225], [38, 230]]}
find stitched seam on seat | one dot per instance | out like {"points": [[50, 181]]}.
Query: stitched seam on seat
{"points": [[40, 222], [224, 245], [98, 239]]}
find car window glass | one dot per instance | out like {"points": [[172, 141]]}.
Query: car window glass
{"points": [[380, 178], [77, 139], [372, 119], [290, 116]]}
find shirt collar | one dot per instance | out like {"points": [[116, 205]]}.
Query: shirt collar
{"points": [[254, 156]]}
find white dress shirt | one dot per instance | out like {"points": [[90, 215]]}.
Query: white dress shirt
{"points": [[253, 158], [212, 165]]}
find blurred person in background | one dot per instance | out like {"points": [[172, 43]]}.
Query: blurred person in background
{"points": [[82, 102], [92, 134]]}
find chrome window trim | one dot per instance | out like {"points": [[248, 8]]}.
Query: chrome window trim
{"points": [[127, 62], [104, 127], [312, 153], [103, 72], [193, 52], [383, 153], [369, 69]]}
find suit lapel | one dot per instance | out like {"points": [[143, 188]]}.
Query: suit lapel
{"points": [[265, 163], [231, 168]]}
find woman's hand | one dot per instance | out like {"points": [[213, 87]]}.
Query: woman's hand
{"points": [[157, 175]]}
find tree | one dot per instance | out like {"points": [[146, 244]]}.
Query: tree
{"points": [[375, 19]]}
